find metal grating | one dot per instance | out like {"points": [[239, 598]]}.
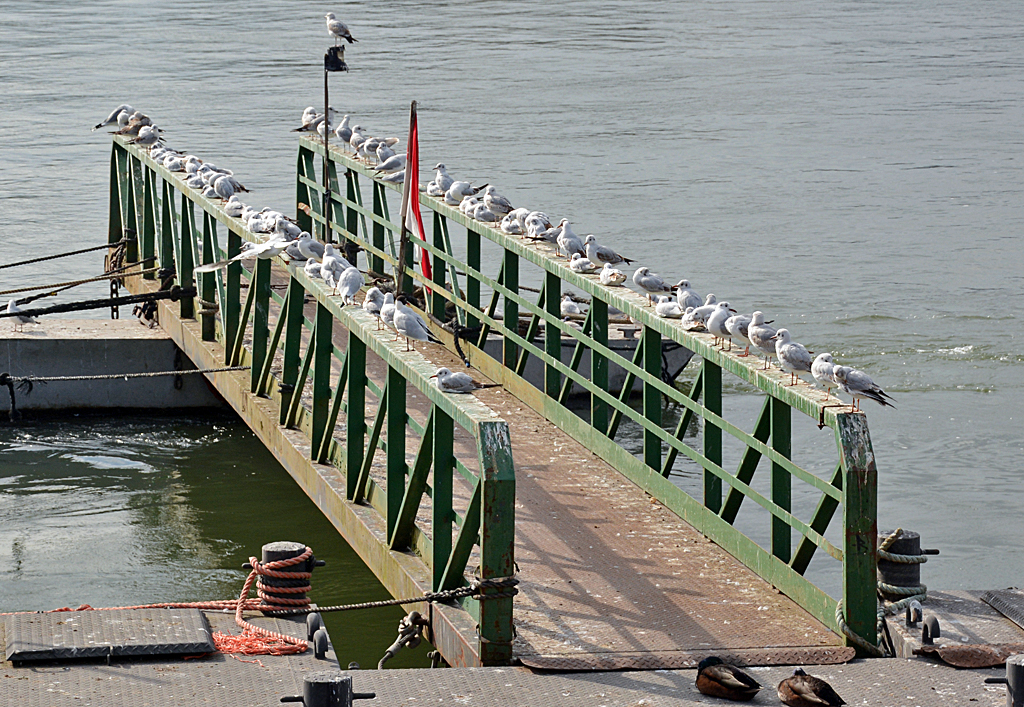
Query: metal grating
{"points": [[77, 635], [677, 660], [1008, 602]]}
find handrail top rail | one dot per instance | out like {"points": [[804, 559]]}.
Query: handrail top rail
{"points": [[624, 299], [467, 410]]}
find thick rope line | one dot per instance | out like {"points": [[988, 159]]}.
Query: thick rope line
{"points": [[123, 241], [75, 283], [173, 294]]}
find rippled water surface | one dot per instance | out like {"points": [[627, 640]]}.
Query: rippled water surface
{"points": [[853, 169]]}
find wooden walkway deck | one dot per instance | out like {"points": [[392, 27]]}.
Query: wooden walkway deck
{"points": [[610, 579]]}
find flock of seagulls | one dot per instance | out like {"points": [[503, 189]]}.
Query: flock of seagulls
{"points": [[719, 679], [585, 255]]}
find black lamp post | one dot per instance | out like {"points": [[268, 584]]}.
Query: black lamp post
{"points": [[334, 60]]}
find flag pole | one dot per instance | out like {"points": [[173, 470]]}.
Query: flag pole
{"points": [[410, 183]]}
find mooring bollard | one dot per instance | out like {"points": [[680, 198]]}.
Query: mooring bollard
{"points": [[906, 572], [284, 550], [328, 689], [1014, 681]]}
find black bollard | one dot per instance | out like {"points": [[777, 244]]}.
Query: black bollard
{"points": [[328, 688], [1014, 681], [272, 552], [898, 573]]}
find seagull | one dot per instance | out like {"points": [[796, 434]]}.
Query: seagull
{"points": [[349, 284], [332, 266], [649, 282], [442, 180], [458, 382], [459, 191], [495, 202], [396, 178], [667, 308], [761, 335], [510, 225], [20, 319], [395, 163], [738, 330], [610, 276], [312, 269], [716, 322], [569, 307], [822, 370], [310, 248], [112, 119], [581, 264], [603, 254], [263, 251], [792, 357], [343, 132], [387, 311], [411, 325], [858, 385], [372, 303], [384, 152], [148, 136], [686, 296], [358, 138], [338, 30], [568, 242]]}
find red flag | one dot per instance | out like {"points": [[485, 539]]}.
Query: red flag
{"points": [[413, 221]]}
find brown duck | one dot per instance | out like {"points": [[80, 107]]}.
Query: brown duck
{"points": [[720, 679], [803, 690]]}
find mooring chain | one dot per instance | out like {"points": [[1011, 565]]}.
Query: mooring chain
{"points": [[507, 585]]}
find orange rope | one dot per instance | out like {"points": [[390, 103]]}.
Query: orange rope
{"points": [[253, 639]]}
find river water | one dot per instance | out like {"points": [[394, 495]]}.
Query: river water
{"points": [[852, 169]]}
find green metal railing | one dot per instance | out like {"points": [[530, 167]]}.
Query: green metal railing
{"points": [[316, 381], [471, 277]]}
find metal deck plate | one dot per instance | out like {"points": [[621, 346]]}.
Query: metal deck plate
{"points": [[1008, 602], [99, 634]]}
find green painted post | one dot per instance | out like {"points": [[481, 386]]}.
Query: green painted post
{"points": [[148, 242], [472, 284], [497, 539], [712, 381], [396, 467], [599, 363], [168, 228], [510, 315], [322, 356], [233, 294], [438, 304], [260, 319], [860, 519], [135, 188], [115, 225], [186, 256], [355, 418], [552, 334], [441, 495], [782, 481], [208, 281], [376, 262], [352, 218], [652, 397], [292, 342]]}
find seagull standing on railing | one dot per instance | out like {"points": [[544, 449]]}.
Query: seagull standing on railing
{"points": [[603, 254], [115, 115], [858, 385], [668, 308], [793, 357], [411, 325], [686, 296], [762, 336], [442, 178], [738, 327], [822, 370], [496, 202], [332, 266], [387, 311], [650, 283], [716, 322], [581, 264], [372, 304], [568, 242], [699, 316]]}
